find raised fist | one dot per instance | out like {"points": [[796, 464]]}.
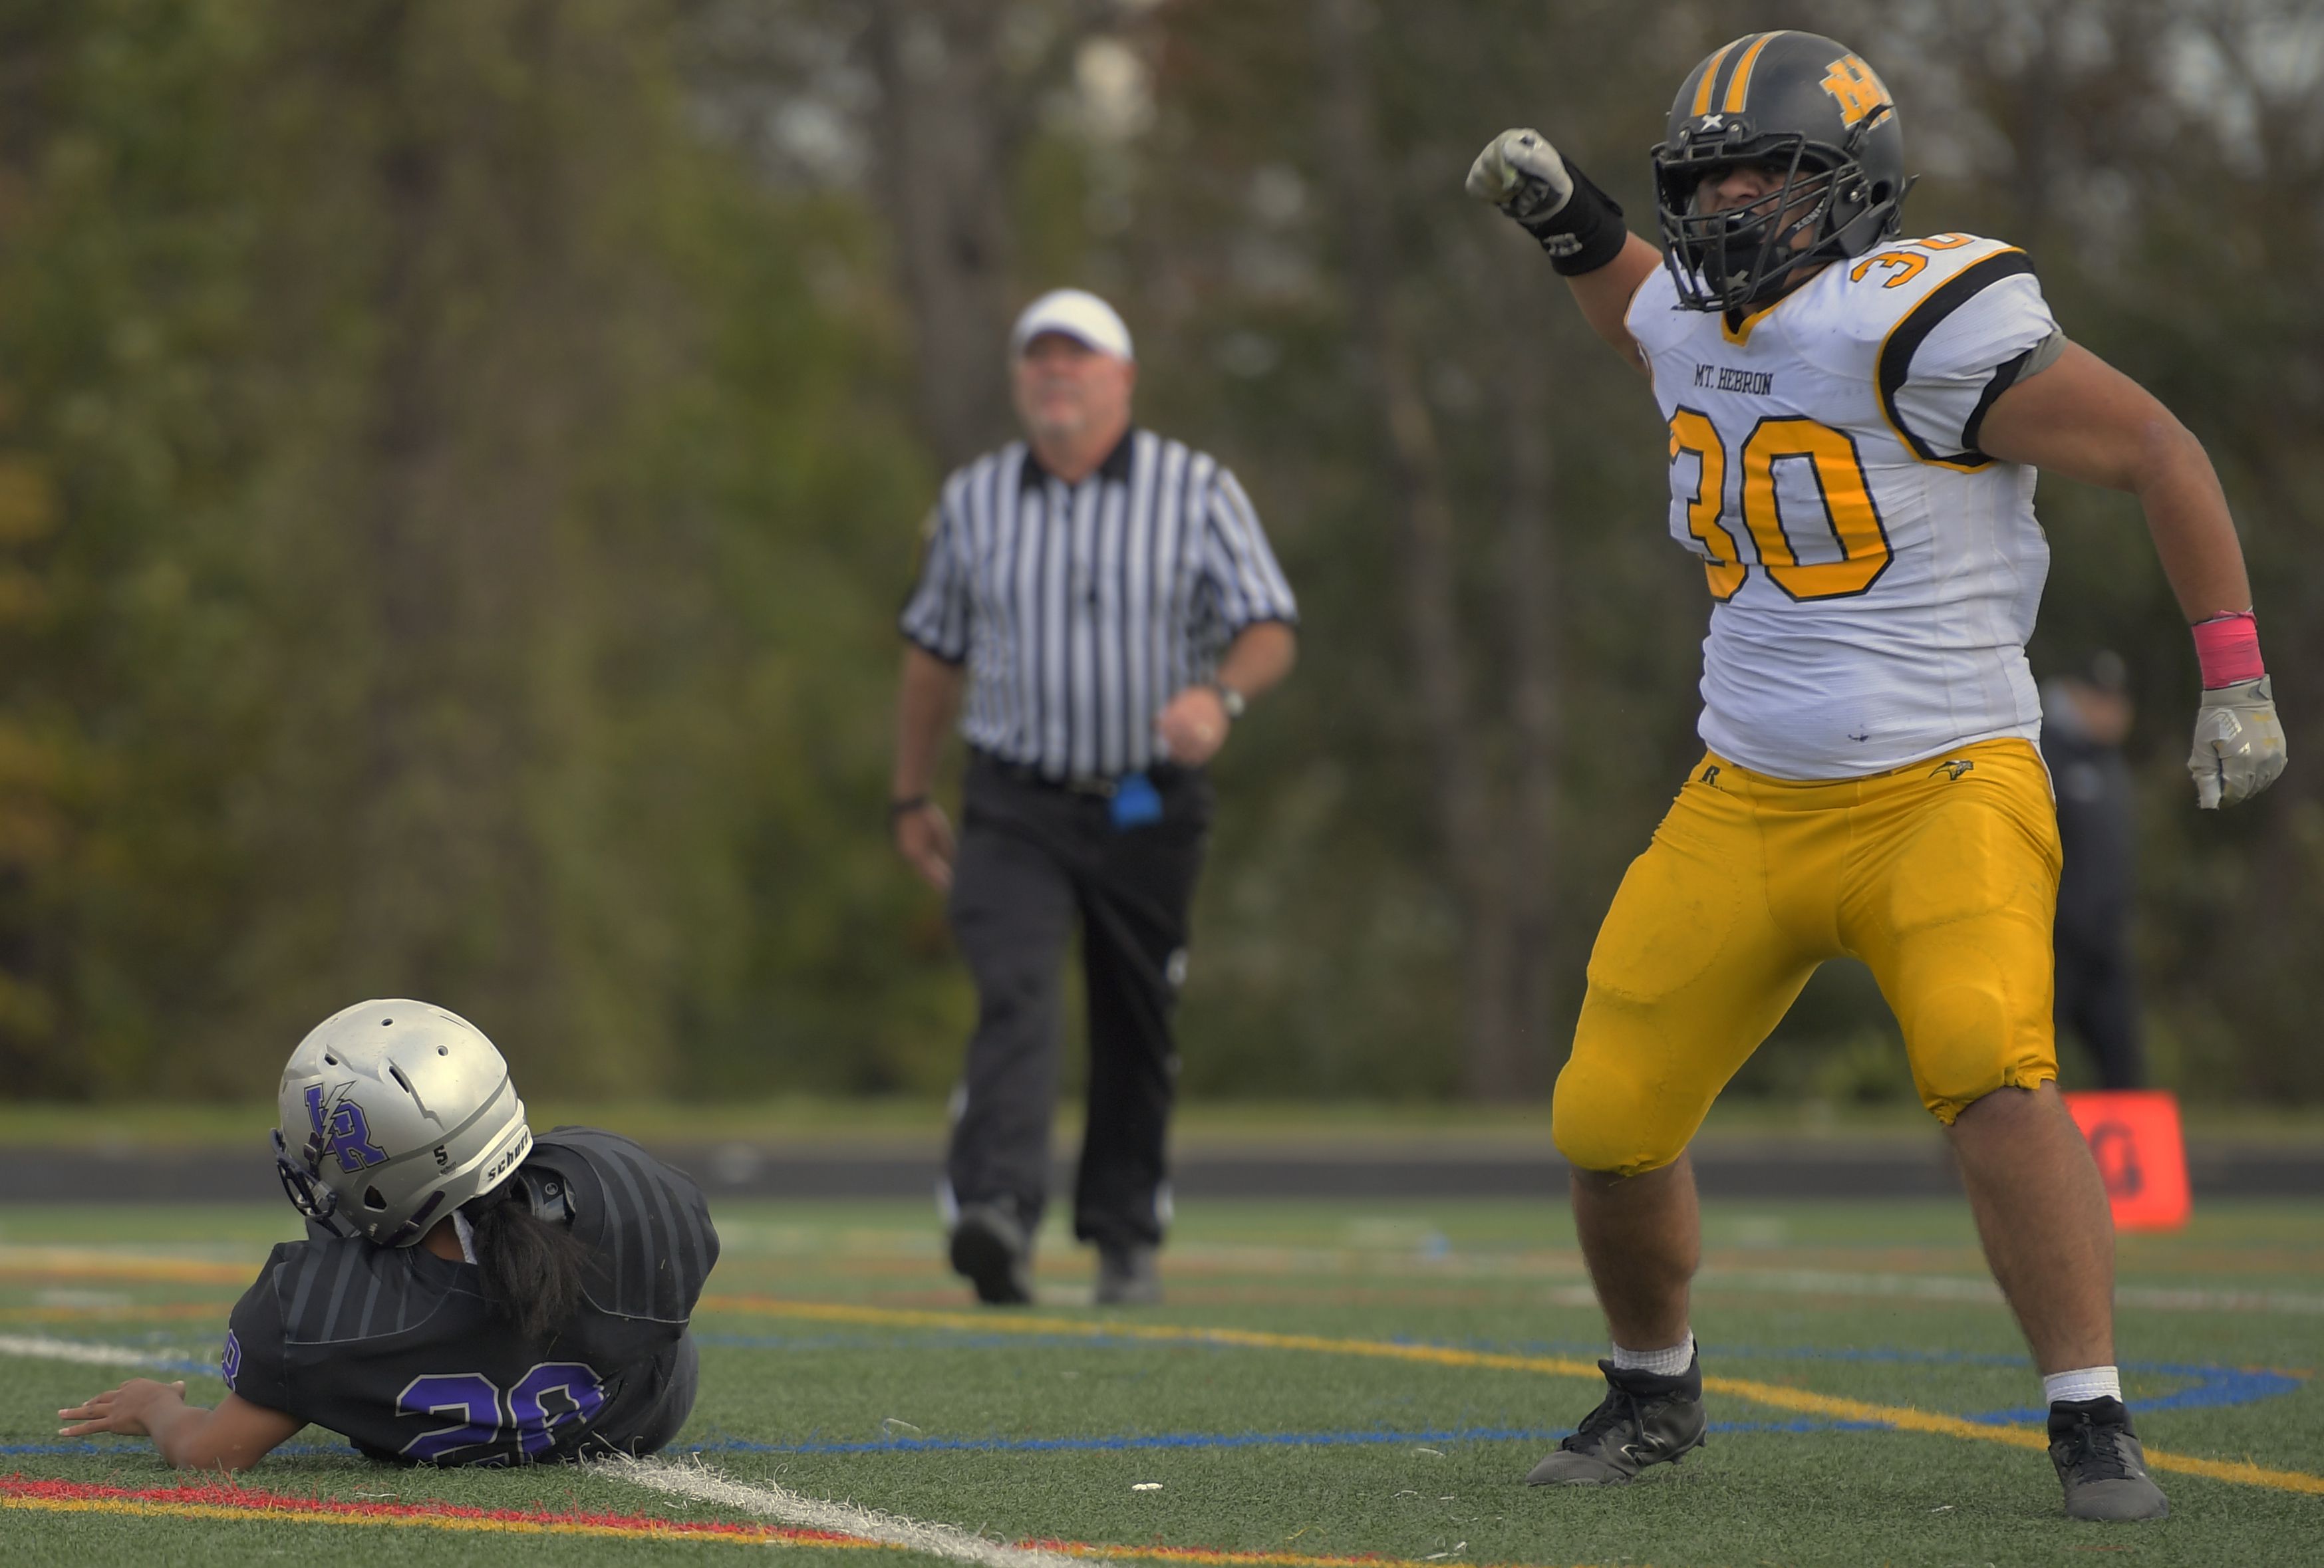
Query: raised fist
{"points": [[1523, 175]]}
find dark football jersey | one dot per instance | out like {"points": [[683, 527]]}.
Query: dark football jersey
{"points": [[396, 1349]]}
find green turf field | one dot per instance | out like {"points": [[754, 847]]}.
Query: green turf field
{"points": [[1329, 1382]]}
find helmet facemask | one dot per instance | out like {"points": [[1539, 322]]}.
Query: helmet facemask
{"points": [[303, 1184], [1742, 256], [1804, 108]]}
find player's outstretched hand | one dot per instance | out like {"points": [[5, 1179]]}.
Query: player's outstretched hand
{"points": [[122, 1409], [2238, 743], [1523, 175]]}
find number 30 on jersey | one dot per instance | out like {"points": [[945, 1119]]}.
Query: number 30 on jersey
{"points": [[1851, 521]]}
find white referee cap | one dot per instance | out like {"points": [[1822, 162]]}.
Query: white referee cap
{"points": [[1077, 313]]}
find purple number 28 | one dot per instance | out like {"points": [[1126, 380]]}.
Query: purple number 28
{"points": [[549, 1394], [469, 1395], [545, 1398]]}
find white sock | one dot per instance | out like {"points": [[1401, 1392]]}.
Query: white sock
{"points": [[1669, 1363], [2086, 1383]]}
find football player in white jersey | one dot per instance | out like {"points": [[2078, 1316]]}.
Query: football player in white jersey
{"points": [[1854, 420]]}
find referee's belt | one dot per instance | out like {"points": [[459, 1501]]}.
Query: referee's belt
{"points": [[1096, 786]]}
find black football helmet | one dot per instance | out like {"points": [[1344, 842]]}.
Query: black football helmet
{"points": [[1810, 109]]}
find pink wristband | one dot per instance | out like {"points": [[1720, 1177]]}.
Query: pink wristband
{"points": [[2228, 648]]}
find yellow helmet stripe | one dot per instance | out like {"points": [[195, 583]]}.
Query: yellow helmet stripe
{"points": [[1740, 88], [1710, 76]]}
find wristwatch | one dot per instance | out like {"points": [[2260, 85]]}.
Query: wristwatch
{"points": [[1230, 699]]}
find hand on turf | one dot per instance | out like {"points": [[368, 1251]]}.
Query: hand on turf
{"points": [[1523, 175], [2238, 743], [1194, 726], [123, 1409], [924, 838]]}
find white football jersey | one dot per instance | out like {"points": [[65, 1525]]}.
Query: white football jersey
{"points": [[1875, 574]]}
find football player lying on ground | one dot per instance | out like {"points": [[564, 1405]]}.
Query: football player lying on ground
{"points": [[465, 1295], [1854, 424]]}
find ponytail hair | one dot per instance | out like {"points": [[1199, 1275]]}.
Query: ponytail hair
{"points": [[531, 1267]]}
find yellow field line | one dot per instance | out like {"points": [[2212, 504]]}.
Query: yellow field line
{"points": [[1807, 1403], [111, 1312], [57, 1262]]}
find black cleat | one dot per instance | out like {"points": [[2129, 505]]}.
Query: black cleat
{"points": [[1128, 1276], [1644, 1419], [991, 1248], [2101, 1462]]}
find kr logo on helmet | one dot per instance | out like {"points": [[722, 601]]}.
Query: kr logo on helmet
{"points": [[340, 1129], [1858, 92]]}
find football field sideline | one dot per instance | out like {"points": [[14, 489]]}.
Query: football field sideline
{"points": [[1328, 1385], [1904, 1417]]}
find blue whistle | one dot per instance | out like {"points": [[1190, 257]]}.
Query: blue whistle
{"points": [[1136, 802]]}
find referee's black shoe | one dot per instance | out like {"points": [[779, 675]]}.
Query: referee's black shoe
{"points": [[991, 1248], [2101, 1462], [1644, 1419]]}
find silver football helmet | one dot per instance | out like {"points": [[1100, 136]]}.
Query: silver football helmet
{"points": [[394, 1113]]}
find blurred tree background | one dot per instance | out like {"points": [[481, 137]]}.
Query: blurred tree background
{"points": [[459, 460]]}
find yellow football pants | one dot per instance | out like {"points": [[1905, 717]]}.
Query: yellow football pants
{"points": [[1942, 876]]}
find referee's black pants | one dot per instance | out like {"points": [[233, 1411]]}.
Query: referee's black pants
{"points": [[1034, 858], [2097, 998]]}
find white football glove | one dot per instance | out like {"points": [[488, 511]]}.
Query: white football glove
{"points": [[1522, 174], [2238, 743]]}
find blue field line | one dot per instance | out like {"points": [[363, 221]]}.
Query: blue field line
{"points": [[2214, 1388], [1123, 1441], [186, 1367], [982, 1340], [944, 1339], [1115, 1443], [1111, 1444], [1127, 1442]]}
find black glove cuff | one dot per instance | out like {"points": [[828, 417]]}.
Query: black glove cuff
{"points": [[1586, 233]]}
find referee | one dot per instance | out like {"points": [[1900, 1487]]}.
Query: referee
{"points": [[1106, 601]]}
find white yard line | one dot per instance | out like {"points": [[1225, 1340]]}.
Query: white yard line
{"points": [[41, 1347], [705, 1484], [2166, 1298]]}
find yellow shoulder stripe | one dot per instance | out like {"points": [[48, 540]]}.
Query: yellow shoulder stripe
{"points": [[1943, 296]]}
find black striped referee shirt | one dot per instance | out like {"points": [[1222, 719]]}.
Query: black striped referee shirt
{"points": [[1081, 610]]}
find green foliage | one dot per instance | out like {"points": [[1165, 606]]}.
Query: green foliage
{"points": [[452, 511], [450, 520]]}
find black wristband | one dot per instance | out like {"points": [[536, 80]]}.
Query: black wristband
{"points": [[1586, 233], [906, 807]]}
